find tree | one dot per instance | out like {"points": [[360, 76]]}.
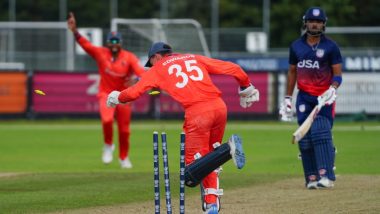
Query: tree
{"points": [[286, 15]]}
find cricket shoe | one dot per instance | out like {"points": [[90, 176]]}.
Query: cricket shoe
{"points": [[324, 182], [126, 163], [236, 151], [204, 204], [312, 185], [108, 153], [211, 209]]}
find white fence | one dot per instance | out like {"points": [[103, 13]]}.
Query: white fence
{"points": [[41, 45], [184, 35]]}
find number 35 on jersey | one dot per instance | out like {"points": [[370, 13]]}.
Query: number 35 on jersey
{"points": [[191, 71]]}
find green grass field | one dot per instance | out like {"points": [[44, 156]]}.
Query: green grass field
{"points": [[48, 166]]}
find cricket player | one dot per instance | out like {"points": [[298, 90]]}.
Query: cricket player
{"points": [[315, 64], [186, 78], [116, 68]]}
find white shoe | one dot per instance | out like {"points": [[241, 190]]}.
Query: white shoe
{"points": [[107, 153], [312, 185], [126, 163], [236, 151], [324, 182]]}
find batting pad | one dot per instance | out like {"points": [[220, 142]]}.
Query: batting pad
{"points": [[324, 155], [308, 158], [323, 145], [200, 168], [320, 129]]}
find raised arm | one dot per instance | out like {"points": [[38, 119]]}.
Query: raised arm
{"points": [[83, 42], [72, 23]]}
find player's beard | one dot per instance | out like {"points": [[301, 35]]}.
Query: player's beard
{"points": [[314, 30], [115, 49]]}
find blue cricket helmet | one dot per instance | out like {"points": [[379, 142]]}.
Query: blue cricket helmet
{"points": [[157, 48], [113, 36], [315, 13]]}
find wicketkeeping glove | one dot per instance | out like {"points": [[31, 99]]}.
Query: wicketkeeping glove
{"points": [[248, 96], [113, 99], [286, 111], [328, 97]]}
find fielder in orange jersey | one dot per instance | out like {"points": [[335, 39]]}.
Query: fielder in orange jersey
{"points": [[116, 68], [186, 78]]}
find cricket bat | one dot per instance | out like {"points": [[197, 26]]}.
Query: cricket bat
{"points": [[305, 126]]}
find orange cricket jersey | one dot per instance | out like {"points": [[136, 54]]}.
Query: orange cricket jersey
{"points": [[114, 74], [185, 77]]}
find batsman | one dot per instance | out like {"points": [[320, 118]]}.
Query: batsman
{"points": [[315, 64], [186, 77]]}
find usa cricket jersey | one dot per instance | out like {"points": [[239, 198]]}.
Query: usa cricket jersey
{"points": [[314, 64]]}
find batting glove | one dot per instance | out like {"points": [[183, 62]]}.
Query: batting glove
{"points": [[328, 97], [286, 111], [113, 99], [248, 96]]}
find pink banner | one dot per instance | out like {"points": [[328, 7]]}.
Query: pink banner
{"points": [[72, 93], [229, 88]]}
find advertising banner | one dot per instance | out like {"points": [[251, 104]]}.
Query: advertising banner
{"points": [[13, 92], [72, 93], [360, 92]]}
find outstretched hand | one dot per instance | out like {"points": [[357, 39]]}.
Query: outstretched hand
{"points": [[71, 22]]}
